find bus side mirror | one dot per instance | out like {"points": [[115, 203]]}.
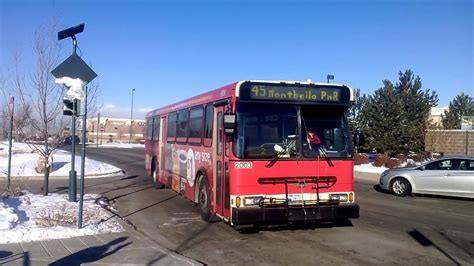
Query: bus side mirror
{"points": [[229, 123], [359, 139]]}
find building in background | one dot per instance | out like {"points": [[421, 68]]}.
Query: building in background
{"points": [[436, 115], [114, 130]]}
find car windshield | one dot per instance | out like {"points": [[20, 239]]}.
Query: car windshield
{"points": [[266, 131]]}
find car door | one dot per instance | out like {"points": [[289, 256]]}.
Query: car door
{"points": [[462, 178], [433, 179]]}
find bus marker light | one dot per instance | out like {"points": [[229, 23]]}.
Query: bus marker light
{"points": [[237, 202], [351, 197]]}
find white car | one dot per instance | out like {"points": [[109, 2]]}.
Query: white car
{"points": [[453, 176]]}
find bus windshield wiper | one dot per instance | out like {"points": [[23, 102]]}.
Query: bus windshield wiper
{"points": [[322, 153], [280, 152]]}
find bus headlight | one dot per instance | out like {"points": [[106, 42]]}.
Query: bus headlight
{"points": [[338, 197], [252, 201]]}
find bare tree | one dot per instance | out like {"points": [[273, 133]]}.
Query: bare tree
{"points": [[21, 122], [40, 97]]}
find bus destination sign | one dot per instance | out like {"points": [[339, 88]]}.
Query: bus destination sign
{"points": [[303, 94]]}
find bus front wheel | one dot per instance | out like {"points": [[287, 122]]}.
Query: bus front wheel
{"points": [[204, 200]]}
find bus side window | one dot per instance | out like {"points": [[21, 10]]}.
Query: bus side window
{"points": [[149, 127], [156, 128], [195, 125], [182, 126], [208, 125], [172, 121]]}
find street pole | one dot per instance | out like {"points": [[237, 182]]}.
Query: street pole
{"points": [[83, 159], [131, 119], [72, 172], [98, 128], [11, 108]]}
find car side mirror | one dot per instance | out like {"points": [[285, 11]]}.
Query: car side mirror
{"points": [[229, 123], [421, 168]]}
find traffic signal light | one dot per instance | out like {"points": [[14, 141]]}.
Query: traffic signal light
{"points": [[70, 107]]}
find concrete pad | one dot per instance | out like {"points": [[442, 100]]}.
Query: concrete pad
{"points": [[55, 248], [35, 249], [73, 244]]}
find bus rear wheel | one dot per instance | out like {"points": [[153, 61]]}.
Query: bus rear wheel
{"points": [[204, 200]]}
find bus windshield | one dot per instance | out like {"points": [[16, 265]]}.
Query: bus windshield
{"points": [[265, 131]]}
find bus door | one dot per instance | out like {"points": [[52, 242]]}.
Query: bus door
{"points": [[221, 165], [161, 145]]}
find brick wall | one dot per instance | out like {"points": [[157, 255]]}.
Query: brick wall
{"points": [[450, 142]]}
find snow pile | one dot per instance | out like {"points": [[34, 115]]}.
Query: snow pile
{"points": [[369, 168], [8, 217], [34, 217], [24, 163], [122, 145], [16, 148]]}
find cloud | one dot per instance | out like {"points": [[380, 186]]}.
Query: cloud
{"points": [[113, 111]]}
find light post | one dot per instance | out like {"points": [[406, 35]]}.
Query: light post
{"points": [[74, 73], [330, 77], [131, 119], [71, 32]]}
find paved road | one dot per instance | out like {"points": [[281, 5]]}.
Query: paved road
{"points": [[412, 230]]}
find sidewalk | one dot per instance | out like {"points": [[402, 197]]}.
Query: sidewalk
{"points": [[129, 248]]}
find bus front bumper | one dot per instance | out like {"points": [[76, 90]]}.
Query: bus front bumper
{"points": [[280, 215]]}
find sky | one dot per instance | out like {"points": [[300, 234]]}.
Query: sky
{"points": [[171, 50]]}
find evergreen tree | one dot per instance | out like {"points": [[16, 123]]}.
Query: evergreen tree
{"points": [[355, 118], [381, 112], [397, 115], [416, 109], [460, 106]]}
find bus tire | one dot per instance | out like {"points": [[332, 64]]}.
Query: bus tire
{"points": [[154, 174], [204, 200]]}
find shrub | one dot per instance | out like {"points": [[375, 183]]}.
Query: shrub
{"points": [[402, 157], [381, 160], [393, 163], [361, 158]]}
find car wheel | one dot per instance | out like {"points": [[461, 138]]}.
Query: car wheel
{"points": [[400, 187]]}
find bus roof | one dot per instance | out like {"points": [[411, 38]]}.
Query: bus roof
{"points": [[232, 90]]}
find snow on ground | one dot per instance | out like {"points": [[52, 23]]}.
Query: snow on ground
{"points": [[34, 217], [24, 163], [121, 145], [369, 168]]}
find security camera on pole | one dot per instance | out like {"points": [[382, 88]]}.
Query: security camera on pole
{"points": [[75, 74]]}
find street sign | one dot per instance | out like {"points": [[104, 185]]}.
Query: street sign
{"points": [[74, 67], [11, 106]]}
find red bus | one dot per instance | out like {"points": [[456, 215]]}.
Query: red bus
{"points": [[258, 152]]}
